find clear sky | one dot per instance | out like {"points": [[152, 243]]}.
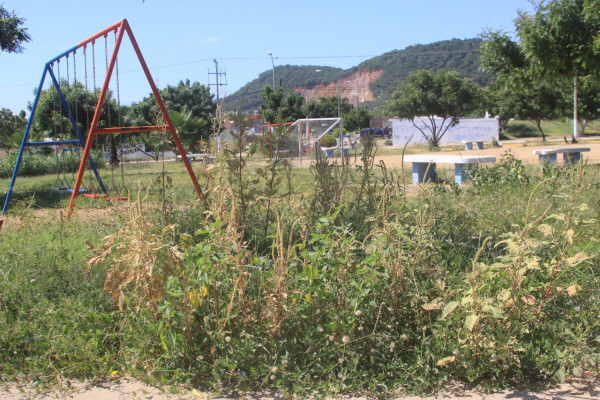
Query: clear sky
{"points": [[179, 39]]}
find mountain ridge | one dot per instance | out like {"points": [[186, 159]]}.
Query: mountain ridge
{"points": [[372, 80]]}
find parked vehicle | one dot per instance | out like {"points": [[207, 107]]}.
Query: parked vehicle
{"points": [[375, 133]]}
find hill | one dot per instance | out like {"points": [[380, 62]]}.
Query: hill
{"points": [[375, 78]]}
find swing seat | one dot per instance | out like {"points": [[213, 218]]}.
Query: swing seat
{"points": [[62, 189], [81, 190], [115, 194], [117, 198], [93, 195]]}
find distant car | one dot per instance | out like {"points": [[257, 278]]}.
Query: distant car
{"points": [[375, 133]]}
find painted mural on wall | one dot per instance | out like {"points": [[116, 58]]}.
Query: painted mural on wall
{"points": [[476, 129]]}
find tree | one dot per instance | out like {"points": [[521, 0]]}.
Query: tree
{"points": [[435, 95], [11, 33], [9, 126], [355, 120], [281, 107], [500, 102], [190, 107], [561, 39], [588, 101], [536, 101], [195, 98], [51, 115], [191, 130], [326, 107]]}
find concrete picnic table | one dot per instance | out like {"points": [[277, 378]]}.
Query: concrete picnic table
{"points": [[571, 155], [424, 165], [469, 144], [199, 156]]}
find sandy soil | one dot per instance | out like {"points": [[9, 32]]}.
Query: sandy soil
{"points": [[131, 389], [523, 153]]}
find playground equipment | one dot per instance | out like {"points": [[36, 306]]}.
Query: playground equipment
{"points": [[309, 132], [59, 86]]}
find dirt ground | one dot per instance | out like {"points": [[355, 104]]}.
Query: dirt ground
{"points": [[132, 389], [523, 153]]}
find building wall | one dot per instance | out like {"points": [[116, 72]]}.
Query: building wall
{"points": [[484, 129]]}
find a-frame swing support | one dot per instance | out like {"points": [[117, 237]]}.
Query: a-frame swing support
{"points": [[120, 27], [25, 142]]}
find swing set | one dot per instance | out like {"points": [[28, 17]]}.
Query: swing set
{"points": [[71, 147]]}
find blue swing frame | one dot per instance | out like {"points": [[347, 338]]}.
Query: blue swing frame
{"points": [[25, 143]]}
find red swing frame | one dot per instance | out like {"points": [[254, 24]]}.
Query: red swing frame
{"points": [[120, 28]]}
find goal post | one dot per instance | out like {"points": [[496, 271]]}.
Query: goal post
{"points": [[310, 131]]}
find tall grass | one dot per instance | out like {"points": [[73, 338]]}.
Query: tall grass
{"points": [[354, 286]]}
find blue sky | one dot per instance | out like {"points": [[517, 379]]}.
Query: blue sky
{"points": [[179, 39]]}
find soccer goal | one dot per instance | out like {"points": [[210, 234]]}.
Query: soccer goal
{"points": [[310, 131]]}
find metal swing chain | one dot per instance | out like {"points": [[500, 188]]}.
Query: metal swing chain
{"points": [[87, 93], [94, 64], [57, 183], [59, 102], [75, 85], [118, 88], [54, 104], [68, 87], [107, 99], [119, 115]]}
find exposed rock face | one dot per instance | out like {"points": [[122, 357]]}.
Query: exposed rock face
{"points": [[357, 87]]}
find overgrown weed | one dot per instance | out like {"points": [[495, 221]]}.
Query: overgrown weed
{"points": [[353, 287]]}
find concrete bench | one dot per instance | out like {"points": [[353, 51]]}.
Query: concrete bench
{"points": [[469, 144], [349, 144], [193, 157], [424, 166], [571, 155]]}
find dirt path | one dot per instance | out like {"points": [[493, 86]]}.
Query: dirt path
{"points": [[132, 389], [523, 153]]}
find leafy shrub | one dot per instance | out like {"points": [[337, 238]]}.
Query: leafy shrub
{"points": [[35, 164], [329, 141], [509, 170]]}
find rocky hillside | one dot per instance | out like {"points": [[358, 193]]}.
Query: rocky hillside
{"points": [[369, 81]]}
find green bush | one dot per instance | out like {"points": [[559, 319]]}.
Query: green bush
{"points": [[508, 171], [35, 164], [329, 141]]}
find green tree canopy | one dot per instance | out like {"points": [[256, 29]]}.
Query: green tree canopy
{"points": [[12, 35], [191, 130], [281, 107], [519, 92], [588, 101], [442, 94], [354, 121], [326, 107], [9, 126], [562, 39], [51, 116], [195, 98]]}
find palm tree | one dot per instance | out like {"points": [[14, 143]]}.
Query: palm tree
{"points": [[191, 130]]}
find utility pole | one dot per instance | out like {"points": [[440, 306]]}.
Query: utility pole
{"points": [[217, 74]]}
